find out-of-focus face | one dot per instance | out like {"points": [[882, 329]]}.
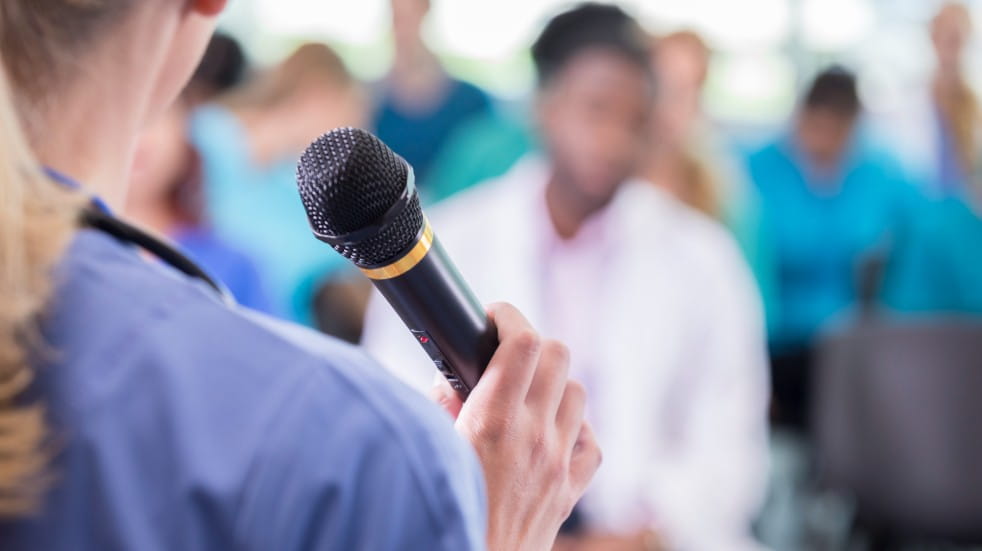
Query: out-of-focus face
{"points": [[316, 106], [950, 33], [824, 136], [407, 19], [594, 118], [681, 69], [162, 156]]}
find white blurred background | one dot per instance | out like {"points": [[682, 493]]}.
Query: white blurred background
{"points": [[764, 49]]}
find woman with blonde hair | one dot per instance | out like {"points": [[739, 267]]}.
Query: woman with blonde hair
{"points": [[36, 222], [140, 410], [936, 128], [691, 159], [959, 117]]}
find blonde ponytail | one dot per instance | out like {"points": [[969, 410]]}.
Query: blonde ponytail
{"points": [[40, 41], [36, 222]]}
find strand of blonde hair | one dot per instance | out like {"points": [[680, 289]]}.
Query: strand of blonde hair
{"points": [[36, 222]]}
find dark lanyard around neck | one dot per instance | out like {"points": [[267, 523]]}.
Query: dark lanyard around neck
{"points": [[99, 217]]}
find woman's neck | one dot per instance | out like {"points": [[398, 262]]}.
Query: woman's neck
{"points": [[418, 78], [88, 129], [91, 141], [412, 57], [947, 83]]}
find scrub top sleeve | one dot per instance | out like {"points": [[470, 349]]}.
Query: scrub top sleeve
{"points": [[395, 485]]}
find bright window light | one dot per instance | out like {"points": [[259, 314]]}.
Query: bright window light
{"points": [[356, 22], [483, 29], [835, 25], [735, 25]]}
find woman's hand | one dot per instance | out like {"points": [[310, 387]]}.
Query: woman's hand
{"points": [[525, 420]]}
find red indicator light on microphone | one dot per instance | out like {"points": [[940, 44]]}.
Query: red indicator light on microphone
{"points": [[424, 340]]}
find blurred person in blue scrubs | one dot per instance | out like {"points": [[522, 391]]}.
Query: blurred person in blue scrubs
{"points": [[830, 199], [480, 149], [654, 300], [249, 141], [419, 104], [166, 188], [937, 129], [140, 410]]}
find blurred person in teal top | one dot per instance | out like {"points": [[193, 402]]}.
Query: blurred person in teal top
{"points": [[420, 106], [483, 148], [250, 141], [830, 199]]}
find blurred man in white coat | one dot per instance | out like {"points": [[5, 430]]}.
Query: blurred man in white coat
{"points": [[660, 314]]}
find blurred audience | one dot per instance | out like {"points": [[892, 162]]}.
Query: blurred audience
{"points": [[166, 193], [830, 199], [689, 158], [482, 148], [937, 130], [937, 265], [250, 140], [664, 328], [419, 104]]}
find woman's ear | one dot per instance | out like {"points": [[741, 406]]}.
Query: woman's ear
{"points": [[208, 8]]}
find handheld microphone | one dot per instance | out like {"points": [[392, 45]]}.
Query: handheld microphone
{"points": [[361, 199]]}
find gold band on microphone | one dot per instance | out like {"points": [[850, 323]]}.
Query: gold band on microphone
{"points": [[407, 262]]}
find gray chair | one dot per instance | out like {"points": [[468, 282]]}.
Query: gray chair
{"points": [[897, 420]]}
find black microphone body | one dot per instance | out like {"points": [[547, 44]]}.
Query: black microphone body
{"points": [[444, 316], [361, 199]]}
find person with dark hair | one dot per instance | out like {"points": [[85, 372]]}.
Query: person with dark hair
{"points": [[831, 198], [223, 68], [828, 116], [659, 310], [166, 182]]}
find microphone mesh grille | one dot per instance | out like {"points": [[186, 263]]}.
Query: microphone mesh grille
{"points": [[348, 180]]}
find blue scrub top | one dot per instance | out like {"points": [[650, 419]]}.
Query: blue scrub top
{"points": [[231, 266], [823, 228], [183, 424], [937, 268]]}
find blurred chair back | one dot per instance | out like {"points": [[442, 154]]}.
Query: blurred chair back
{"points": [[898, 425]]}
